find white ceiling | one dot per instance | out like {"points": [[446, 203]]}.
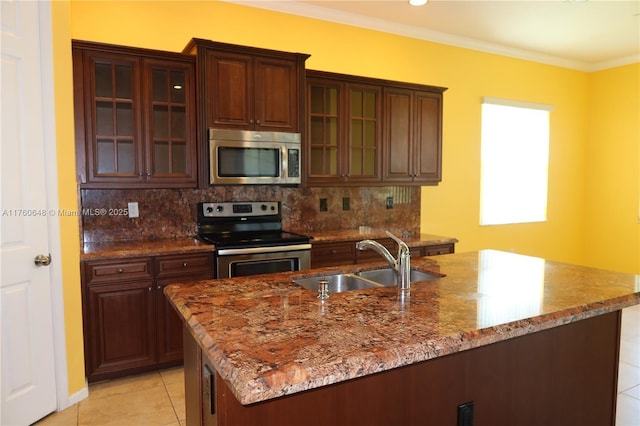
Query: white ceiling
{"points": [[578, 34]]}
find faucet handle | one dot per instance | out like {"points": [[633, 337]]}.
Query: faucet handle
{"points": [[397, 240]]}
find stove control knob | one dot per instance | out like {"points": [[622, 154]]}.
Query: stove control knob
{"points": [[263, 207], [209, 209], [219, 208]]}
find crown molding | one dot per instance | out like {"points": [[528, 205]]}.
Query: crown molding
{"points": [[346, 18]]}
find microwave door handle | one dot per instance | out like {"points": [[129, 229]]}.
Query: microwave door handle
{"points": [[284, 162]]}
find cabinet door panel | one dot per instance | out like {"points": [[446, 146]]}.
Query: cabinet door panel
{"points": [[113, 132], [325, 129], [428, 137], [121, 326], [229, 90], [168, 325], [170, 148], [362, 144], [398, 135], [276, 95]]}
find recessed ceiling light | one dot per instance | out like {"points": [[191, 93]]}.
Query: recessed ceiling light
{"points": [[418, 2]]}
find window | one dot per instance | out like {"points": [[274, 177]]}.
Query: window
{"points": [[514, 162]]}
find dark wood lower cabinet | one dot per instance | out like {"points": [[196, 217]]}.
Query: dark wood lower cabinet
{"points": [[121, 326], [345, 252], [562, 376], [129, 325]]}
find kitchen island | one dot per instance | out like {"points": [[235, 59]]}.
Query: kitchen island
{"points": [[500, 338]]}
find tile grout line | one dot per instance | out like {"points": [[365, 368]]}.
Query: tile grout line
{"points": [[173, 406]]}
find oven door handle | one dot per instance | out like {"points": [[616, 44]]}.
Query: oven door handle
{"points": [[268, 249]]}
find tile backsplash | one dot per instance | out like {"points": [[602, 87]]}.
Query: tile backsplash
{"points": [[171, 213]]}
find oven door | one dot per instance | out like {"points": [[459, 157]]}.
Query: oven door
{"points": [[262, 260]]}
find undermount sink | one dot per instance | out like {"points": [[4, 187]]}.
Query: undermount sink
{"points": [[360, 280], [388, 276], [337, 283]]}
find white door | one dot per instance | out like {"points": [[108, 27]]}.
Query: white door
{"points": [[26, 330]]}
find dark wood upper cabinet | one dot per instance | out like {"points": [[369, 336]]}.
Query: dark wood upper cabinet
{"points": [[413, 136], [364, 131], [344, 131], [135, 117], [246, 88]]}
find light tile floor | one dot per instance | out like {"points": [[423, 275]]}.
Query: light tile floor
{"points": [[151, 399], [157, 399]]}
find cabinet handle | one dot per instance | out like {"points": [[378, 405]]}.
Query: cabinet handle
{"points": [[149, 289], [140, 174]]}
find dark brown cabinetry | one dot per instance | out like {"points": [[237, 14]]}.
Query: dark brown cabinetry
{"points": [[246, 88], [135, 117], [370, 131], [344, 131], [129, 324], [345, 252], [413, 136]]}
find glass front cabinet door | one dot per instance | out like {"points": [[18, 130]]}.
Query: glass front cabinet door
{"points": [[135, 118]]}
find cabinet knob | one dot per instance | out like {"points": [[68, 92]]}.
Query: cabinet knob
{"points": [[149, 289], [258, 122], [333, 252], [185, 264], [120, 270], [159, 287]]}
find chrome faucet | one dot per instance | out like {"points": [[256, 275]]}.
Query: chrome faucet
{"points": [[402, 265]]}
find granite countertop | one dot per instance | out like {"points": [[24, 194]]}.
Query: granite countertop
{"points": [[120, 249], [375, 234], [117, 249], [268, 337]]}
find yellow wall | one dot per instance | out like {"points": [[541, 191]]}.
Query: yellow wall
{"points": [[452, 208], [68, 195], [612, 207]]}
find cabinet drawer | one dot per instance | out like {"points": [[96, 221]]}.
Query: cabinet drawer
{"points": [[368, 255], [438, 249], [116, 270], [332, 254], [184, 264]]}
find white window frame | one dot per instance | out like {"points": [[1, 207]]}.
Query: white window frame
{"points": [[511, 154]]}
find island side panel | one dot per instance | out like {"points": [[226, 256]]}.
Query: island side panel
{"points": [[565, 375]]}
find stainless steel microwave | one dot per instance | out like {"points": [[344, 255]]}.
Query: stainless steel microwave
{"points": [[240, 157]]}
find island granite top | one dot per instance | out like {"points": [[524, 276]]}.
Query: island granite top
{"points": [[267, 337]]}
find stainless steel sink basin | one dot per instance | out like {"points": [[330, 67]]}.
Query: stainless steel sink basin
{"points": [[337, 283], [384, 277], [388, 276]]}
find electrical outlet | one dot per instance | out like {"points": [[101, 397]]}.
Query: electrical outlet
{"points": [[323, 205], [389, 202], [346, 203], [465, 414], [133, 209]]}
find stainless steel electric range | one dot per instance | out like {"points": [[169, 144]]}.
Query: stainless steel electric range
{"points": [[249, 239]]}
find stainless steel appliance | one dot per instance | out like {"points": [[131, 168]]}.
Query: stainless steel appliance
{"points": [[238, 157], [249, 239]]}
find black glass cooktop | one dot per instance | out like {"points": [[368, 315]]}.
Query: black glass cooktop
{"points": [[253, 239]]}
